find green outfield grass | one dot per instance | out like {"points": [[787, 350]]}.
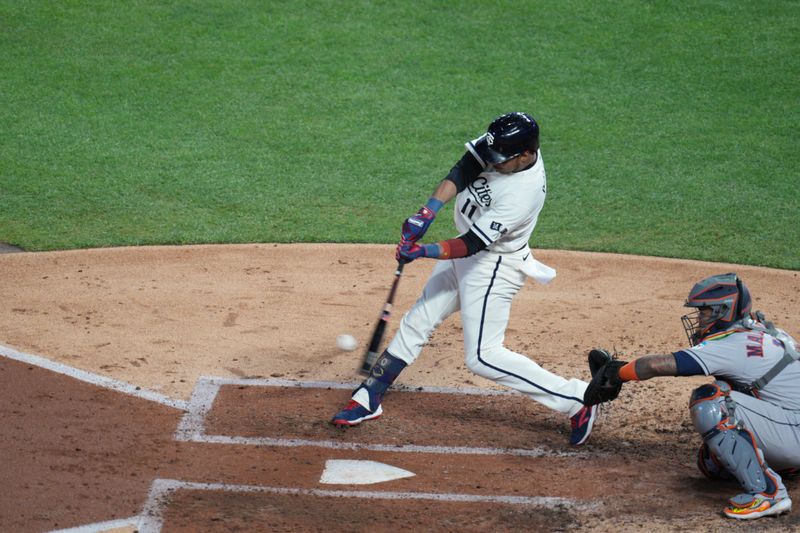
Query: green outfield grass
{"points": [[668, 128]]}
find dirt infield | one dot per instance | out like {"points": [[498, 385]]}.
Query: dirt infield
{"points": [[188, 388]]}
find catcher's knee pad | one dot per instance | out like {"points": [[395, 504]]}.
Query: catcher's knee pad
{"points": [[383, 373], [709, 407]]}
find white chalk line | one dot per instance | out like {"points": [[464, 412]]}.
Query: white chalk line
{"points": [[152, 517], [99, 527], [192, 425], [193, 421], [94, 379], [276, 382], [191, 428], [399, 448]]}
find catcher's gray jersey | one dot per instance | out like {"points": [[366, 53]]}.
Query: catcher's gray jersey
{"points": [[742, 356]]}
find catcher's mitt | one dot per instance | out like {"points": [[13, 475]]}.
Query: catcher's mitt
{"points": [[598, 358], [606, 383]]}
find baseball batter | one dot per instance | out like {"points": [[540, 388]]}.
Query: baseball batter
{"points": [[499, 186], [749, 417]]}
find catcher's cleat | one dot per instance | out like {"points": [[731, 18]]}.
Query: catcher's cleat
{"points": [[750, 506], [582, 423], [353, 414]]}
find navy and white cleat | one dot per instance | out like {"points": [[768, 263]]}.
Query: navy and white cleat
{"points": [[582, 423], [353, 414]]}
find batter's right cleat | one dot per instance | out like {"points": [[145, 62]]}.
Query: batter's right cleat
{"points": [[582, 423], [353, 414], [750, 506]]}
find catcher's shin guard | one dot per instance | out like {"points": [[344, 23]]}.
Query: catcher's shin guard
{"points": [[382, 375], [733, 446], [710, 466]]}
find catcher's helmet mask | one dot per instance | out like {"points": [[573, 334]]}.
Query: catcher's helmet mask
{"points": [[507, 137], [727, 298]]}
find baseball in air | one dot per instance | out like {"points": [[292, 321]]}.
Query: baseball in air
{"points": [[346, 342]]}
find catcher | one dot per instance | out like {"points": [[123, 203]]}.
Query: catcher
{"points": [[749, 417]]}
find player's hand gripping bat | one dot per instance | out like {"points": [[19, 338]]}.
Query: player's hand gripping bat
{"points": [[374, 347]]}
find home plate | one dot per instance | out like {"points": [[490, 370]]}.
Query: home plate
{"points": [[347, 472]]}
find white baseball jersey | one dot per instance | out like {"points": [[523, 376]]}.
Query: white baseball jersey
{"points": [[502, 210]]}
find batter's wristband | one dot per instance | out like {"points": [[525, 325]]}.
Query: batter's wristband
{"points": [[431, 250], [434, 204], [628, 372]]}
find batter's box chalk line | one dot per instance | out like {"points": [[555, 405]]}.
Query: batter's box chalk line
{"points": [[92, 378], [151, 520], [152, 517], [192, 425], [100, 527], [191, 428]]}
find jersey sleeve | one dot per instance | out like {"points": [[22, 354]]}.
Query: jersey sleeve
{"points": [[688, 365], [700, 360], [465, 171], [717, 357]]}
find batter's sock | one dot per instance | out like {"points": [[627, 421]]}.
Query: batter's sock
{"points": [[386, 369]]}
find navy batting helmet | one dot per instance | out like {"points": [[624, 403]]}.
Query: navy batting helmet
{"points": [[508, 136], [728, 298]]}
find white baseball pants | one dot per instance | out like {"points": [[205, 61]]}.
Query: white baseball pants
{"points": [[482, 287]]}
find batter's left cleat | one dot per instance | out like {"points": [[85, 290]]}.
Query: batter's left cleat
{"points": [[751, 506], [353, 414], [582, 423]]}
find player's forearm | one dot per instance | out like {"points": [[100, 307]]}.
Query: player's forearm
{"points": [[445, 192], [648, 367]]}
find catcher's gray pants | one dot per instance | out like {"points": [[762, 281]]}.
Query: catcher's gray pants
{"points": [[776, 430]]}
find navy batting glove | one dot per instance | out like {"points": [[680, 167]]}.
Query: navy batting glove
{"points": [[408, 251], [415, 226]]}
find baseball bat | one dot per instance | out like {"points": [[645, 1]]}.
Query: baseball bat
{"points": [[374, 348]]}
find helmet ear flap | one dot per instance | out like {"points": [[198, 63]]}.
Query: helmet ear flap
{"points": [[738, 296], [743, 300]]}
